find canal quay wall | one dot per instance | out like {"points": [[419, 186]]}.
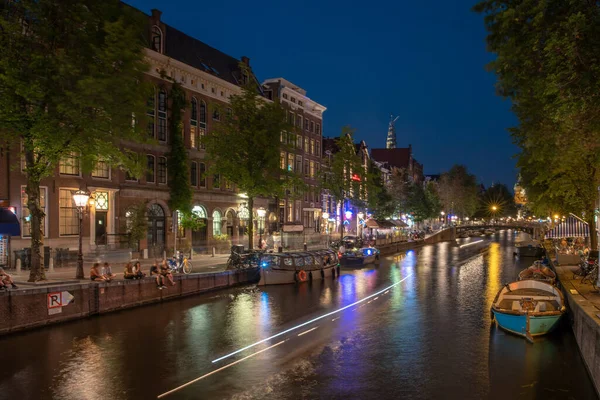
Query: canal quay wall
{"points": [[584, 316], [31, 308]]}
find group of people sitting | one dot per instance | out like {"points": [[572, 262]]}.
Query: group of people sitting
{"points": [[5, 280], [160, 271]]}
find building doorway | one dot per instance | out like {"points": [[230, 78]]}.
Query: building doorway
{"points": [[101, 228], [199, 236], [156, 230], [229, 224]]}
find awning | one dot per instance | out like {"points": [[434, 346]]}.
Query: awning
{"points": [[380, 223], [572, 226], [399, 223], [9, 223]]}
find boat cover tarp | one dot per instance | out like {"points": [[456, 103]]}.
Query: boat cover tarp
{"points": [[572, 226], [380, 223]]}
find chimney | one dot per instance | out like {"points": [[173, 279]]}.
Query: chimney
{"points": [[246, 60], [156, 14]]}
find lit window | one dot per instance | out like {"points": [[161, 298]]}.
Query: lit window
{"points": [[68, 213], [151, 113], [282, 160], [26, 217], [69, 164], [312, 146], [162, 170], [150, 168], [290, 162], [101, 201], [318, 129], [312, 169], [101, 169], [216, 222], [194, 123], [306, 144], [202, 126]]}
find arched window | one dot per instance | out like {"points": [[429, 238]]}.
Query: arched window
{"points": [[216, 222], [150, 167], [151, 113], [194, 123], [162, 115], [157, 39], [199, 211], [202, 126]]}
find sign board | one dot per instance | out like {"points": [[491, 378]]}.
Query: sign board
{"points": [[293, 228], [58, 300]]}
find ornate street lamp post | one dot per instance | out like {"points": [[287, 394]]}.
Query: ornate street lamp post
{"points": [[261, 212], [80, 198]]}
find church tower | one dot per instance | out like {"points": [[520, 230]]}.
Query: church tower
{"points": [[391, 136]]}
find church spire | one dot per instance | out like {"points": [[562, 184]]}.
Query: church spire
{"points": [[391, 136]]}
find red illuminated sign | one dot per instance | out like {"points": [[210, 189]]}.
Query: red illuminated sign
{"points": [[355, 177]]}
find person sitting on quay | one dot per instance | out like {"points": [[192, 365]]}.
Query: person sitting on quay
{"points": [[129, 272], [154, 271], [95, 274], [165, 271], [5, 280], [137, 270], [107, 272]]}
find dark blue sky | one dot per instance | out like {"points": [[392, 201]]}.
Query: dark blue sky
{"points": [[424, 61]]}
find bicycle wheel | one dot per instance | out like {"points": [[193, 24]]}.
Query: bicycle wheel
{"points": [[187, 267]]}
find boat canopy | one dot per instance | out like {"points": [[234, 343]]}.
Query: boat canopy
{"points": [[380, 224], [572, 226]]}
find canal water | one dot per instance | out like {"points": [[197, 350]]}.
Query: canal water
{"points": [[422, 332]]}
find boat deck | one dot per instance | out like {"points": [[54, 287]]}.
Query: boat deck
{"points": [[545, 301]]}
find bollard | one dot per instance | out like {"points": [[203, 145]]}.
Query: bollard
{"points": [[51, 265], [18, 265], [213, 251], [305, 247], [164, 254], [145, 254]]}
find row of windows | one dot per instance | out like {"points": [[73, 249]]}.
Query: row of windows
{"points": [[311, 146], [299, 122], [293, 100], [312, 194], [293, 163], [154, 171]]}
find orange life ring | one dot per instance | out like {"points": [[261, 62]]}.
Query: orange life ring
{"points": [[302, 275]]}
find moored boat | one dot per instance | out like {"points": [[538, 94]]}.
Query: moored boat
{"points": [[538, 272], [281, 268], [530, 248], [528, 308], [489, 232], [358, 257]]}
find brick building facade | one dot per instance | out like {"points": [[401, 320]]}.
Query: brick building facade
{"points": [[209, 77]]}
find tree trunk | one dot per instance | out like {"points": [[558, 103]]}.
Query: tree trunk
{"points": [[251, 223], [342, 219], [590, 217], [37, 272]]}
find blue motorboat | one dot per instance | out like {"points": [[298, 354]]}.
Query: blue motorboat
{"points": [[528, 307], [359, 257]]}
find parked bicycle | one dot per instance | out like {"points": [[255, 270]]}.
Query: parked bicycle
{"points": [[588, 270], [180, 264]]}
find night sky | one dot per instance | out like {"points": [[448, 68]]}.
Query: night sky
{"points": [[424, 61]]}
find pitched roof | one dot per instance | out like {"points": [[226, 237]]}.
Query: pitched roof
{"points": [[199, 55], [398, 157]]}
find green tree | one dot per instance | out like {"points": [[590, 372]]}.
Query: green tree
{"points": [[547, 65], [500, 197], [399, 189], [244, 148], [422, 202], [457, 191], [345, 164], [137, 225], [380, 201], [70, 74]]}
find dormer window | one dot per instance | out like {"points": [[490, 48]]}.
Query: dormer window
{"points": [[157, 39], [285, 96], [300, 103]]}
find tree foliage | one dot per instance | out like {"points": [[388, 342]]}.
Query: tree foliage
{"points": [[547, 65], [244, 147], [70, 74], [137, 225], [457, 191]]}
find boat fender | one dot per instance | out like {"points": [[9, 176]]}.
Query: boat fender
{"points": [[302, 275], [322, 274], [310, 278]]}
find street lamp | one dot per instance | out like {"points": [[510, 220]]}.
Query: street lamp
{"points": [[261, 212], [325, 217], [80, 198]]}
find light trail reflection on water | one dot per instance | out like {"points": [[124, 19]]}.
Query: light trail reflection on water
{"points": [[429, 337]]}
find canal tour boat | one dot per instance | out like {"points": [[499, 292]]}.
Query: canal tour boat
{"points": [[281, 268], [528, 308], [359, 257], [539, 272]]}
